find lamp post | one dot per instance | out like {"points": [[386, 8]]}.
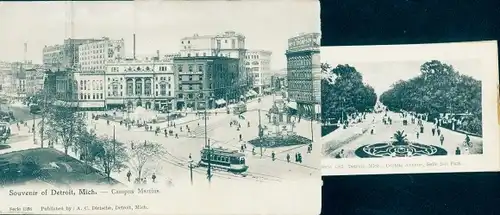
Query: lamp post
{"points": [[191, 170]]}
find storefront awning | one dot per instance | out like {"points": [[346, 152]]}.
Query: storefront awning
{"points": [[220, 101], [292, 105], [253, 93]]}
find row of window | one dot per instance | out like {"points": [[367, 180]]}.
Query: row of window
{"points": [[301, 96], [297, 74], [157, 93], [147, 68], [302, 85], [91, 85], [193, 95], [92, 46], [156, 79], [91, 96]]}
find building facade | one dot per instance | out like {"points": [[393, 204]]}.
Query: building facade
{"points": [[206, 81], [228, 44], [92, 57], [258, 65], [304, 73], [34, 79], [64, 55], [148, 83]]}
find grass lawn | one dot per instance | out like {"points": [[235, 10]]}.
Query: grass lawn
{"points": [[47, 165]]}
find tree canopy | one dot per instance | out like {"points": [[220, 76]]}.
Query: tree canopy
{"points": [[439, 89], [343, 92]]}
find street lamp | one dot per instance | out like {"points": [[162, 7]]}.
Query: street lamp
{"points": [[191, 169]]}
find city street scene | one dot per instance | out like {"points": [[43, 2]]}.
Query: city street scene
{"points": [[407, 107], [122, 94]]}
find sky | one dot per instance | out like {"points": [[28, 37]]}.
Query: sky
{"points": [[382, 66], [158, 25]]}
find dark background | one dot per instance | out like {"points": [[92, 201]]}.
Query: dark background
{"points": [[371, 22]]}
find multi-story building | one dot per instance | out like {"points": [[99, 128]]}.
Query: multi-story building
{"points": [[34, 79], [304, 73], [93, 56], [206, 81], [130, 83], [258, 63], [228, 44], [64, 55], [89, 92], [5, 78]]}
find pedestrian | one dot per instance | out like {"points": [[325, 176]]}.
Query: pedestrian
{"points": [[299, 157], [441, 138], [253, 151], [467, 140], [340, 154], [242, 148], [457, 151], [241, 138], [273, 156], [129, 174], [296, 157], [288, 158], [190, 156], [153, 177], [418, 134], [433, 130], [438, 131]]}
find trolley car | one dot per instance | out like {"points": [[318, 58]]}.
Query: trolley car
{"points": [[230, 160]]}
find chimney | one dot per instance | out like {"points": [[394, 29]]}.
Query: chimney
{"points": [[134, 47]]}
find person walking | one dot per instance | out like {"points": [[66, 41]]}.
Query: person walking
{"points": [[418, 134], [129, 174], [441, 139], [288, 158], [438, 131], [433, 130], [153, 177]]}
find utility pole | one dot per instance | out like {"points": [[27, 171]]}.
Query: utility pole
{"points": [[114, 144], [44, 111], [191, 170], [34, 130], [260, 134], [209, 169]]}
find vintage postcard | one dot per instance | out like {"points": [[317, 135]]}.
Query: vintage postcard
{"points": [[410, 108], [173, 107]]}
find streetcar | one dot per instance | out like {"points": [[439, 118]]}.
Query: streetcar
{"points": [[230, 160], [239, 108], [35, 109], [4, 131]]}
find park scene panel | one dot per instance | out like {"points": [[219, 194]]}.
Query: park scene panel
{"points": [[405, 108]]}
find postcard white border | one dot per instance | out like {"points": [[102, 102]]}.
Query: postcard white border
{"points": [[485, 51]]}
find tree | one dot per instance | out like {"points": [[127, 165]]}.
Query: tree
{"points": [[343, 92], [400, 138], [86, 144], [439, 89], [142, 153], [66, 122], [111, 155]]}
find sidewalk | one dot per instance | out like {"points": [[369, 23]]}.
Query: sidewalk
{"points": [[341, 136]]}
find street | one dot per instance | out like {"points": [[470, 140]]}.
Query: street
{"points": [[383, 133], [175, 164], [21, 112]]}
